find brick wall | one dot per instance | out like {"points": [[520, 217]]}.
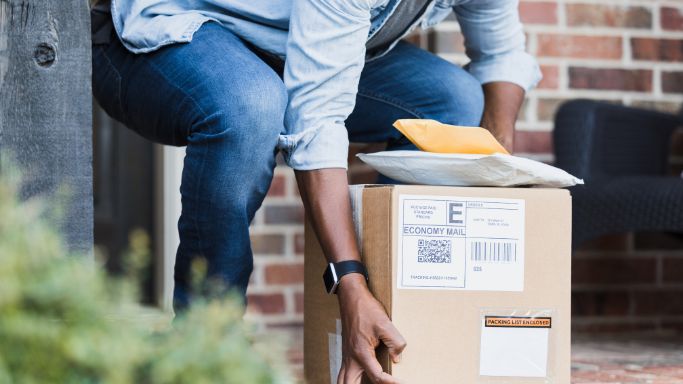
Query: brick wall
{"points": [[628, 52]]}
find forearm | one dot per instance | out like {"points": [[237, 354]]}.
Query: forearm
{"points": [[325, 195], [501, 107]]}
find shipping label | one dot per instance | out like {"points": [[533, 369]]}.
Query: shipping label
{"points": [[460, 243]]}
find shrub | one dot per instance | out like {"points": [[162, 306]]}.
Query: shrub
{"points": [[63, 320]]}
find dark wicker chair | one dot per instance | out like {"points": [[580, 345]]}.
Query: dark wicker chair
{"points": [[622, 153]]}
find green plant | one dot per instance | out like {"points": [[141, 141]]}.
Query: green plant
{"points": [[63, 320]]}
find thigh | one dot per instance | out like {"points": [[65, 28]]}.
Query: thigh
{"points": [[166, 94], [410, 82]]}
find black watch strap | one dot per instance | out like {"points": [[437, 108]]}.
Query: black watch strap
{"points": [[335, 271]]}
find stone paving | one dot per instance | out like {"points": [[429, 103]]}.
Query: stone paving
{"points": [[633, 360]]}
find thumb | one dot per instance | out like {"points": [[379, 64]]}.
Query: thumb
{"points": [[393, 340]]}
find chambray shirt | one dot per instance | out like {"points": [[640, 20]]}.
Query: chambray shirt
{"points": [[323, 42]]}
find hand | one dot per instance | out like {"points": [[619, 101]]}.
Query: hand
{"points": [[504, 133], [502, 103], [364, 325]]}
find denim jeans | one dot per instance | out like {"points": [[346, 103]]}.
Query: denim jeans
{"points": [[225, 100]]}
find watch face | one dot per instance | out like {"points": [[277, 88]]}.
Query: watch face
{"points": [[330, 278]]}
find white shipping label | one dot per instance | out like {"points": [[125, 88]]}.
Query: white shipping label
{"points": [[514, 346], [460, 243]]}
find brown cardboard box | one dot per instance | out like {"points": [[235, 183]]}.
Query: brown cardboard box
{"points": [[476, 279]]}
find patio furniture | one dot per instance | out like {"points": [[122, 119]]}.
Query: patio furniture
{"points": [[622, 153]]}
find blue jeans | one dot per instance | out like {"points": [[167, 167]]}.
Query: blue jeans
{"points": [[225, 101]]}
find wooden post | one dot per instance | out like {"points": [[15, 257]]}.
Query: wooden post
{"points": [[46, 107]]}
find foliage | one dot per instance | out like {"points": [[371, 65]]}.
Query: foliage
{"points": [[63, 320]]}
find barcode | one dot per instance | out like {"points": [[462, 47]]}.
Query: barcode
{"points": [[493, 251], [433, 251]]}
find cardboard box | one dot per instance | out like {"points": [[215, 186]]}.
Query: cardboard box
{"points": [[476, 279]]}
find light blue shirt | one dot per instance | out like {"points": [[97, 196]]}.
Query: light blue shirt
{"points": [[324, 43]]}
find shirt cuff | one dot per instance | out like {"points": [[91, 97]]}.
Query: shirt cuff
{"points": [[519, 68], [317, 148]]}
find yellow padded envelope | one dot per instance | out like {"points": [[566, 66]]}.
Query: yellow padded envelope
{"points": [[433, 136]]}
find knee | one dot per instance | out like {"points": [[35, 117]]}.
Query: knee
{"points": [[459, 99], [262, 102], [251, 114]]}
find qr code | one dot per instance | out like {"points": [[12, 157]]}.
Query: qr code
{"points": [[434, 251]]}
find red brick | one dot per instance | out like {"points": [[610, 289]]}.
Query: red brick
{"points": [[280, 160], [621, 325], [610, 79], [267, 303], [299, 302], [284, 214], [533, 142], [610, 303], [270, 244], [594, 15], [295, 354], [413, 38], [672, 82], [551, 77], [658, 105], [672, 326], [542, 12], [616, 242], [362, 174], [644, 48], [607, 271], [295, 189], [658, 302], [284, 273], [672, 18], [356, 148], [546, 108], [524, 112], [277, 187], [672, 270], [580, 47], [445, 41], [299, 243], [295, 327]]}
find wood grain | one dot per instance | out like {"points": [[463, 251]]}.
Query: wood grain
{"points": [[46, 106]]}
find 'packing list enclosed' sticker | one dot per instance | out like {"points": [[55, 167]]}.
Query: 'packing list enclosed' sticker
{"points": [[465, 243], [515, 346]]}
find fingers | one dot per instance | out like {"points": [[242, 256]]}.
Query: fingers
{"points": [[353, 374], [352, 370], [368, 362], [395, 343]]}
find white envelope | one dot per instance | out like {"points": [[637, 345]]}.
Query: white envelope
{"points": [[497, 170]]}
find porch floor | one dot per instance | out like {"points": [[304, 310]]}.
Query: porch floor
{"points": [[627, 360]]}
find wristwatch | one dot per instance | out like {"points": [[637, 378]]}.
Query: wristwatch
{"points": [[335, 271]]}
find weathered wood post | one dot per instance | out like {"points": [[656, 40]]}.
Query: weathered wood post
{"points": [[45, 105]]}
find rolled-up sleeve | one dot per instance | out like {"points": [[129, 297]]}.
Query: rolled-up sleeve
{"points": [[325, 56], [495, 43]]}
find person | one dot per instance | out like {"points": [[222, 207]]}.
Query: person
{"points": [[237, 81]]}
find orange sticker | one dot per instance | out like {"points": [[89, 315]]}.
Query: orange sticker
{"points": [[517, 322]]}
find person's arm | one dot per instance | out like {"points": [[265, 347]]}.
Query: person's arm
{"points": [[502, 101], [495, 42], [325, 56], [364, 320]]}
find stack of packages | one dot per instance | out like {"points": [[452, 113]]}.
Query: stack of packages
{"points": [[473, 272]]}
